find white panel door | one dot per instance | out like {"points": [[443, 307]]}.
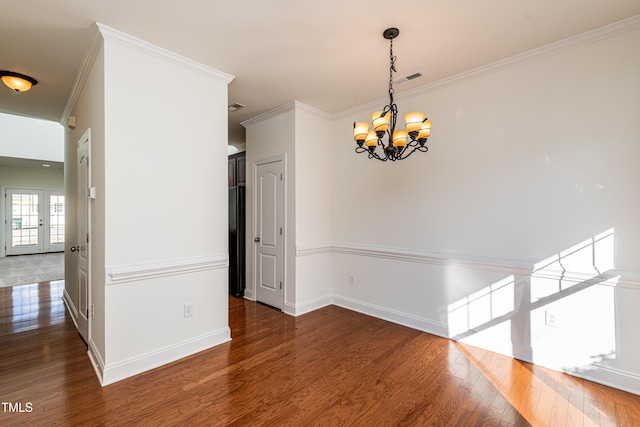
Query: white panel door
{"points": [[269, 238], [25, 221], [82, 248]]}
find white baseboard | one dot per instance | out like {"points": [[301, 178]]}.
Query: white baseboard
{"points": [[96, 360], [393, 316], [307, 306], [584, 369], [71, 308], [111, 373]]}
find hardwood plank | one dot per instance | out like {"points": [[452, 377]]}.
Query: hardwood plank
{"points": [[605, 399], [494, 415], [591, 412], [544, 406], [329, 367], [530, 400]]}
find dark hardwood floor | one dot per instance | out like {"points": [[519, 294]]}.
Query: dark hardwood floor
{"points": [[329, 367]]}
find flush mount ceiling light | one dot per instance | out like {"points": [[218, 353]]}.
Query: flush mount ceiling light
{"points": [[384, 123], [16, 81]]}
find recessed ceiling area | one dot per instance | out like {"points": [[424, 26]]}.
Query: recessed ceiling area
{"points": [[29, 163], [329, 55]]}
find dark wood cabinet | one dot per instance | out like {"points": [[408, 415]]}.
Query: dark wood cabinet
{"points": [[241, 170], [237, 170], [237, 178], [233, 167]]}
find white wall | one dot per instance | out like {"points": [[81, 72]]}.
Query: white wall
{"points": [[524, 163], [308, 259], [47, 178], [160, 230], [28, 138], [314, 206], [89, 111], [165, 210], [267, 137]]}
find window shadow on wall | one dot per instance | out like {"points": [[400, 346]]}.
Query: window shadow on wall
{"points": [[562, 314]]}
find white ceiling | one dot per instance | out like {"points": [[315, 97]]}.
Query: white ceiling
{"points": [[29, 163], [328, 54]]}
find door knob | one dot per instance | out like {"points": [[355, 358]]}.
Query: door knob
{"points": [[257, 239], [73, 248]]}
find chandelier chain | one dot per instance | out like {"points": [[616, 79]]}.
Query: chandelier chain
{"points": [[392, 69]]}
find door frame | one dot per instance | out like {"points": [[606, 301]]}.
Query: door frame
{"points": [[3, 229], [254, 224], [48, 246], [84, 319], [6, 236]]}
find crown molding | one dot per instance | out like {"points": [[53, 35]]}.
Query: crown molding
{"points": [[316, 112], [569, 43], [289, 106], [142, 46], [87, 62], [102, 32]]}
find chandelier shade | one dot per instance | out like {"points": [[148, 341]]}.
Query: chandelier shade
{"points": [[399, 144], [16, 81]]}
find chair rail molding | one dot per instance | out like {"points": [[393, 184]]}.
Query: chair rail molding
{"points": [[133, 272]]}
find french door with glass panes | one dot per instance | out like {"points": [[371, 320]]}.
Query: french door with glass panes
{"points": [[34, 221]]}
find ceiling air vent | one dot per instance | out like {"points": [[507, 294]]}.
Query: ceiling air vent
{"points": [[407, 78]]}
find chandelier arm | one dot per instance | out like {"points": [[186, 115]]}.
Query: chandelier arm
{"points": [[374, 155], [371, 154], [406, 153], [422, 149]]}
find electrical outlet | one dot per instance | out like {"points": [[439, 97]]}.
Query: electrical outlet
{"points": [[551, 318], [352, 279], [93, 311], [188, 309]]}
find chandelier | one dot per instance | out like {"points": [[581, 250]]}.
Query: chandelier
{"points": [[400, 144]]}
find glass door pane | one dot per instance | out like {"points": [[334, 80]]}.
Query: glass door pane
{"points": [[26, 222], [56, 221]]}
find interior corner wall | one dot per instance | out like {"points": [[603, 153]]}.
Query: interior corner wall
{"points": [[313, 205], [165, 211], [518, 231], [308, 259], [89, 113], [272, 137]]}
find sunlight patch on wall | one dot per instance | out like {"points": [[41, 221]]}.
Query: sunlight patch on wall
{"points": [[579, 327], [562, 315], [577, 264], [481, 308], [573, 304]]}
